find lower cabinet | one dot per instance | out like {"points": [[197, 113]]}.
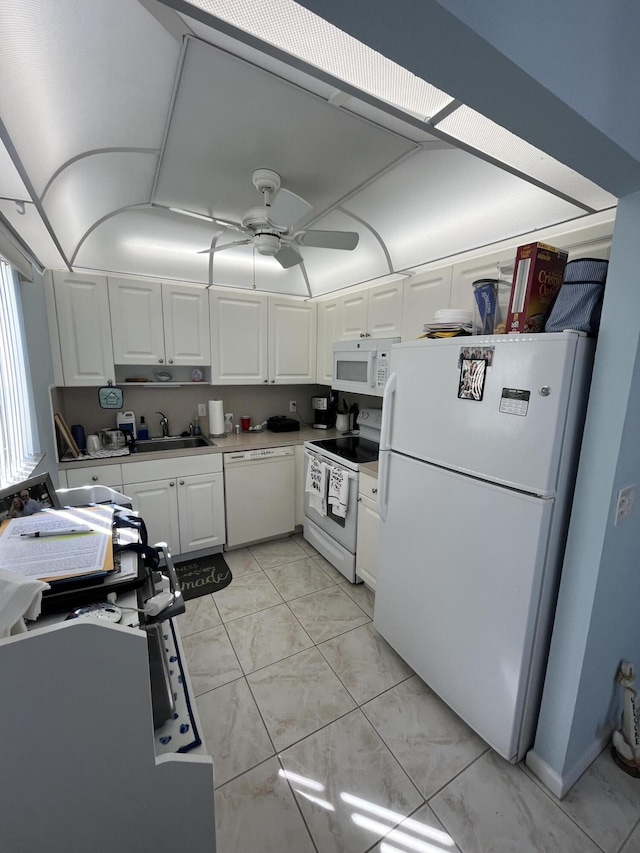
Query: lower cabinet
{"points": [[179, 507], [368, 530]]}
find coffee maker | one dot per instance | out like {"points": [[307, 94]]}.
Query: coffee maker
{"points": [[324, 416]]}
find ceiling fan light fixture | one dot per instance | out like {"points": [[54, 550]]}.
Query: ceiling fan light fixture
{"points": [[267, 244]]}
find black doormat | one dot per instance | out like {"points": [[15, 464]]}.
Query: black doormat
{"points": [[203, 575]]}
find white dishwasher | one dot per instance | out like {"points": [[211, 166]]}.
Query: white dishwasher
{"points": [[259, 488]]}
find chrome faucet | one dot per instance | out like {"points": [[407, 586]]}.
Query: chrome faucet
{"points": [[164, 423]]}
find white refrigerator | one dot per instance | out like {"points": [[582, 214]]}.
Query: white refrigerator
{"points": [[478, 452]]}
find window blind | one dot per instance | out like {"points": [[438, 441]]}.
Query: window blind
{"points": [[17, 434]]}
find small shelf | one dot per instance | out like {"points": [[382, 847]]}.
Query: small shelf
{"points": [[158, 384]]}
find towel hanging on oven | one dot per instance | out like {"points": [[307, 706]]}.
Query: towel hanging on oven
{"points": [[339, 492], [316, 484]]}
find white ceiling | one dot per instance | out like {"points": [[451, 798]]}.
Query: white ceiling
{"points": [[115, 111]]}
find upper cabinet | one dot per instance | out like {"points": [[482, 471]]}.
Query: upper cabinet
{"points": [[153, 323], [372, 313], [257, 338], [292, 341], [238, 337], [329, 320], [84, 328], [424, 295]]}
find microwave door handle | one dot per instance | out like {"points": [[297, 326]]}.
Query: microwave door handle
{"points": [[372, 369]]}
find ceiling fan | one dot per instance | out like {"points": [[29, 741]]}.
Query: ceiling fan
{"points": [[270, 228]]}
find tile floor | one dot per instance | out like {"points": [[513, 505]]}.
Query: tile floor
{"points": [[325, 741]]}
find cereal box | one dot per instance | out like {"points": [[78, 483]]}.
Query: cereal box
{"points": [[536, 280]]}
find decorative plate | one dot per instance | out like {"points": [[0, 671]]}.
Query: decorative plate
{"points": [[196, 375]]}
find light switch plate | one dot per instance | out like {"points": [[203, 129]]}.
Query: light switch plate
{"points": [[202, 410]]}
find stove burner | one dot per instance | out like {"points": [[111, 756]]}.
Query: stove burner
{"points": [[350, 447]]}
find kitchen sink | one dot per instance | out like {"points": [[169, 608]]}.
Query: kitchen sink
{"points": [[153, 445]]}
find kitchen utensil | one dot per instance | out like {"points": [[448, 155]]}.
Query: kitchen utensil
{"points": [[93, 443], [342, 423]]}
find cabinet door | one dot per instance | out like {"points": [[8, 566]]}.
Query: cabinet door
{"points": [[82, 306], [187, 339], [292, 341], [201, 512], [238, 338], [157, 503], [136, 321], [384, 317], [367, 541], [423, 296], [328, 332], [353, 316]]}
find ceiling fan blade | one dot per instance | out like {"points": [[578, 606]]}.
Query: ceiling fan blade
{"points": [[328, 239], [288, 257], [287, 208], [226, 223], [226, 246]]}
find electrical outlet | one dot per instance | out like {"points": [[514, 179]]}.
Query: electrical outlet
{"points": [[625, 503], [292, 406], [202, 410]]}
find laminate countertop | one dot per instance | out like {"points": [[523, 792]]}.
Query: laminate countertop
{"points": [[230, 443]]}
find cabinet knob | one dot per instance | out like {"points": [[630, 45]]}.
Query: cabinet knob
{"points": [[362, 334], [182, 482], [161, 361], [265, 380], [273, 381], [374, 491], [95, 478], [172, 484], [170, 361]]}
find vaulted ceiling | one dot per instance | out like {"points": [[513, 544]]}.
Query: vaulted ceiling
{"points": [[132, 128]]}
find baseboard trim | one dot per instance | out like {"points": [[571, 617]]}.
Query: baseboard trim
{"points": [[560, 785]]}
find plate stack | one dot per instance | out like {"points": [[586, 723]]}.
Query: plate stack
{"points": [[449, 323]]}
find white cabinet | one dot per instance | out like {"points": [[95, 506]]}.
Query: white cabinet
{"points": [[84, 327], [329, 321], [159, 323], [257, 338], [95, 475], [368, 530], [292, 341], [372, 313], [424, 295], [238, 337], [181, 500]]}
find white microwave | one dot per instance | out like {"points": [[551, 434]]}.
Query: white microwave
{"points": [[362, 367]]}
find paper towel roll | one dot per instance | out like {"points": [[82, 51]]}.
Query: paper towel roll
{"points": [[216, 417]]}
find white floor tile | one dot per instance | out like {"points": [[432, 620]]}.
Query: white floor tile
{"points": [[211, 660], [246, 594], [241, 562], [277, 552], [297, 696], [422, 832], [298, 578], [361, 594], [327, 613], [364, 662], [257, 813], [494, 805], [350, 788], [233, 730], [431, 742], [266, 637], [200, 613]]}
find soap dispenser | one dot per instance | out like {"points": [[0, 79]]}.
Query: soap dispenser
{"points": [[143, 430], [228, 423]]}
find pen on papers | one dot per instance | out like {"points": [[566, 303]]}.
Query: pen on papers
{"points": [[71, 532]]}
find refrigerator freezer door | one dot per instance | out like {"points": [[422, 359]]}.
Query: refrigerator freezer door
{"points": [[515, 434], [458, 592]]}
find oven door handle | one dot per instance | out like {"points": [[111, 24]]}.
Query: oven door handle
{"points": [[331, 464]]}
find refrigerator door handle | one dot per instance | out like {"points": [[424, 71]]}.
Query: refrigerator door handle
{"points": [[383, 465], [387, 408]]}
